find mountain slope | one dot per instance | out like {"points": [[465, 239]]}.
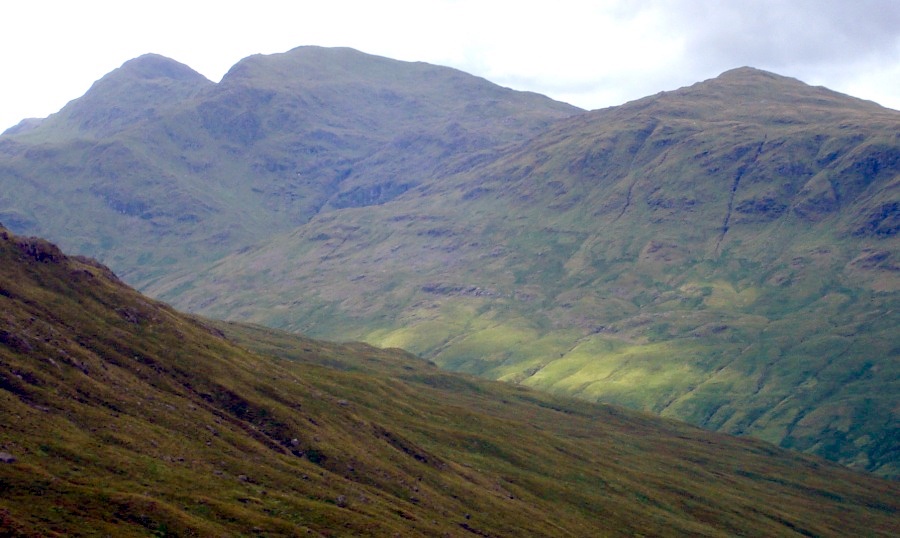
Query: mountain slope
{"points": [[724, 254], [127, 418], [156, 168]]}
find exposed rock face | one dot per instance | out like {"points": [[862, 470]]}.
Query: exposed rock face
{"points": [[884, 221], [763, 209]]}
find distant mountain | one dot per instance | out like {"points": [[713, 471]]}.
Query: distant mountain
{"points": [[137, 92], [123, 417], [156, 167], [724, 254]]}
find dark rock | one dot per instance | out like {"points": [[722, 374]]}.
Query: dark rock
{"points": [[370, 195], [15, 342], [882, 222], [765, 208], [475, 193], [816, 204], [40, 250], [130, 315], [874, 259]]}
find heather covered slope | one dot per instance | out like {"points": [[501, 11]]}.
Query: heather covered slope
{"points": [[156, 169], [124, 417], [725, 254]]}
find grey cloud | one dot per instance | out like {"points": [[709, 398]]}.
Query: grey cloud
{"points": [[843, 44], [774, 34]]}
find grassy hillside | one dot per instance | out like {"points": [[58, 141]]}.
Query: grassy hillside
{"points": [[725, 254], [126, 418]]}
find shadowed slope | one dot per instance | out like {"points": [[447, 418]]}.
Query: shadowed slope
{"points": [[127, 418]]}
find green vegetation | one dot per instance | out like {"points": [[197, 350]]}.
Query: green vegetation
{"points": [[674, 255], [724, 254], [156, 170], [126, 418]]}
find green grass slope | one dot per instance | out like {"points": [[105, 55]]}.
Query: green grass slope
{"points": [[724, 254], [123, 417]]}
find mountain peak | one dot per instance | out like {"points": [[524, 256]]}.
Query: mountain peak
{"points": [[753, 79], [751, 85], [339, 65], [132, 92], [751, 94], [150, 66], [747, 72]]}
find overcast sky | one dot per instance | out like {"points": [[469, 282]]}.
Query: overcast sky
{"points": [[591, 54]]}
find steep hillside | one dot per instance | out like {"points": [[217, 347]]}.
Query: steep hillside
{"points": [[725, 254], [123, 417], [157, 168]]}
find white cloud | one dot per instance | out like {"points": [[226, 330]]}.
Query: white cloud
{"points": [[589, 53]]}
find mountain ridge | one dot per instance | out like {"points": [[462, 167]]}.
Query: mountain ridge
{"points": [[129, 95], [632, 243], [178, 169], [724, 253]]}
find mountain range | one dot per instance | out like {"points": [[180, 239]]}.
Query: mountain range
{"points": [[723, 254], [123, 417], [156, 153]]}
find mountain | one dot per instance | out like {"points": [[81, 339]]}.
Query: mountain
{"points": [[724, 254], [135, 93], [156, 167], [127, 418]]}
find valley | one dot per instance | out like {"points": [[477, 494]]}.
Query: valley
{"points": [[723, 254], [125, 417]]}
